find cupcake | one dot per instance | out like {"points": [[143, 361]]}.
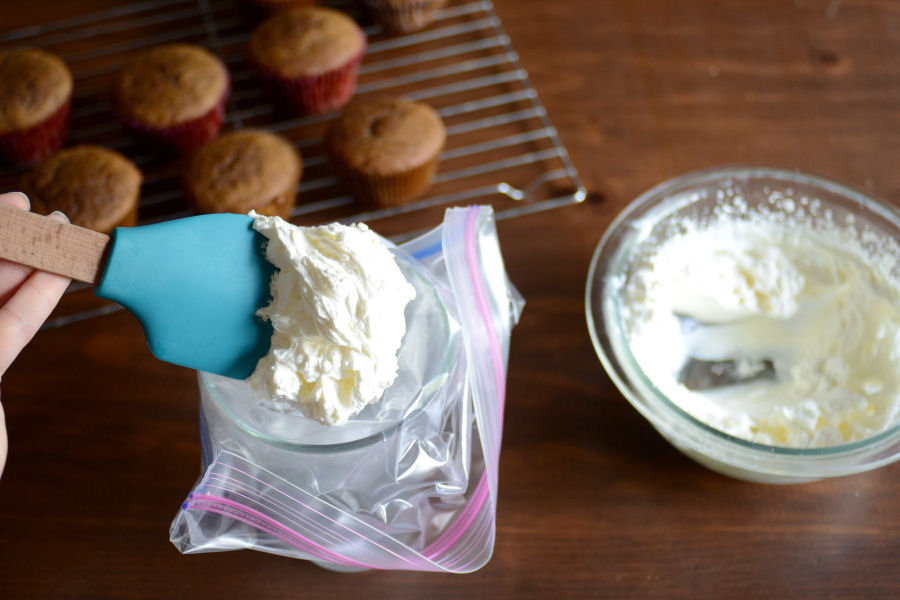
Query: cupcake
{"points": [[386, 149], [309, 56], [173, 95], [403, 16], [95, 187], [243, 171], [35, 97]]}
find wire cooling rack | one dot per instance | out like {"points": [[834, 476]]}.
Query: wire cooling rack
{"points": [[501, 146]]}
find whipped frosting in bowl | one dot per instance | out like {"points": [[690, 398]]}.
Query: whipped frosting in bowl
{"points": [[769, 331], [752, 315], [361, 340]]}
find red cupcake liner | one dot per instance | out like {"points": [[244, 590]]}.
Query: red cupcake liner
{"points": [[184, 137], [404, 19], [39, 141], [315, 95]]}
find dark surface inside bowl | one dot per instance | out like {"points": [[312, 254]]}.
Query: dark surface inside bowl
{"points": [[700, 375]]}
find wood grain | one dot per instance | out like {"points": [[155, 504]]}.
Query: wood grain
{"points": [[593, 503], [50, 245]]}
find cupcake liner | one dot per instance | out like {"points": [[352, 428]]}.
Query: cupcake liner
{"points": [[39, 141], [315, 95], [389, 190], [404, 19], [184, 137]]}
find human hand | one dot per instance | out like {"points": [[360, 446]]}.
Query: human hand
{"points": [[26, 299]]}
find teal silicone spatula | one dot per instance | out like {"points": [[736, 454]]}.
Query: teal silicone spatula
{"points": [[194, 284]]}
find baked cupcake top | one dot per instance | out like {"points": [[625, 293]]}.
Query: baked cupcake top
{"points": [[240, 171], [306, 41], [383, 136], [94, 186], [171, 84], [35, 85]]}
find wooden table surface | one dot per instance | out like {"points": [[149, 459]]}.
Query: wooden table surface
{"points": [[592, 502]]}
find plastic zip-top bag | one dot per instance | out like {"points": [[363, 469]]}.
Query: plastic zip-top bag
{"points": [[411, 482]]}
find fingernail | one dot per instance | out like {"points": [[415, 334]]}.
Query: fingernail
{"points": [[24, 197], [57, 213]]}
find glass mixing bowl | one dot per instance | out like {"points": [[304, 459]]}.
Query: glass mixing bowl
{"points": [[424, 363], [644, 224], [306, 457]]}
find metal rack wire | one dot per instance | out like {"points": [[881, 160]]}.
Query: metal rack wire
{"points": [[501, 146]]}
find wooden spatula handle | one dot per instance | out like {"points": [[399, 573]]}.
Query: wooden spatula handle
{"points": [[50, 245]]}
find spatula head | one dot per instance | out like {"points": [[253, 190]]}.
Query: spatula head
{"points": [[195, 285]]}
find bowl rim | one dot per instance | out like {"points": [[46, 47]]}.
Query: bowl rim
{"points": [[598, 331]]}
